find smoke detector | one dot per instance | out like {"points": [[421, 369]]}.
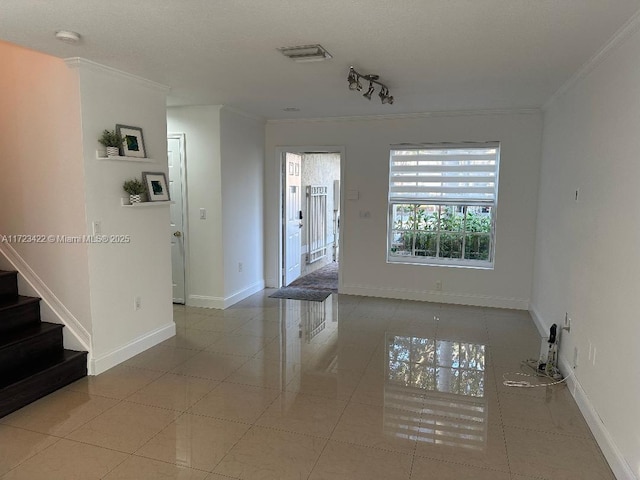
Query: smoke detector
{"points": [[67, 36], [306, 53]]}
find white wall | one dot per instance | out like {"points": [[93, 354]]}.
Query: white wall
{"points": [[121, 271], [225, 175], [242, 155], [587, 260], [41, 179], [363, 256], [201, 126]]}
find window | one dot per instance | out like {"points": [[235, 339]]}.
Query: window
{"points": [[442, 204]]}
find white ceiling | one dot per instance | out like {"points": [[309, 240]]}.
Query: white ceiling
{"points": [[433, 54]]}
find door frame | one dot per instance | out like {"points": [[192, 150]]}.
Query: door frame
{"points": [[280, 151], [185, 208]]}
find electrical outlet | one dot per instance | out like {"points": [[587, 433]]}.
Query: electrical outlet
{"points": [[97, 228], [240, 266], [137, 303], [438, 285]]}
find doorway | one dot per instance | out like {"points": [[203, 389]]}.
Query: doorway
{"points": [[310, 216]]}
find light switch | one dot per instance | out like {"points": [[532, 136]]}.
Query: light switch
{"points": [[203, 214]]}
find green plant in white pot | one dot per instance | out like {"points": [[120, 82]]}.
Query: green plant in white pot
{"points": [[112, 140], [135, 189]]}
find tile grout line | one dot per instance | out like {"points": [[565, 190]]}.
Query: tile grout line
{"points": [[252, 425], [497, 392]]}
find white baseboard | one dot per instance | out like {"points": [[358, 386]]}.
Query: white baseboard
{"points": [[618, 464], [437, 296], [204, 301], [244, 293], [108, 360], [543, 329], [221, 303]]}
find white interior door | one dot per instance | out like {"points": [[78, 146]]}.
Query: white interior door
{"points": [[176, 162], [292, 220]]}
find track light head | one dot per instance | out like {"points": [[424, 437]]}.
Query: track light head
{"points": [[384, 95], [369, 92], [353, 81]]}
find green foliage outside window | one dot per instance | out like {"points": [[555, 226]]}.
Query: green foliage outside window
{"points": [[442, 231]]}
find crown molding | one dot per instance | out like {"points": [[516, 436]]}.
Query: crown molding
{"points": [[399, 116], [623, 34], [78, 62]]}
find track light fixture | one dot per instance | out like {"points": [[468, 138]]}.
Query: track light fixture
{"points": [[354, 84]]}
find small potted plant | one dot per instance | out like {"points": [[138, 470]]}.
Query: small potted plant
{"points": [[113, 141], [135, 189]]}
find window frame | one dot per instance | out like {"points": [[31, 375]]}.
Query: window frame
{"points": [[413, 259]]}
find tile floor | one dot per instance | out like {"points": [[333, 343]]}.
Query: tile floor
{"points": [[352, 388]]}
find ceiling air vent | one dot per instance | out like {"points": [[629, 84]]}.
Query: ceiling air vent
{"points": [[306, 53]]}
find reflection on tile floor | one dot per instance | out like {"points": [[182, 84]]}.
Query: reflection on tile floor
{"points": [[351, 388]]}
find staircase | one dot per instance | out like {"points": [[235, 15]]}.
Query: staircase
{"points": [[33, 361]]}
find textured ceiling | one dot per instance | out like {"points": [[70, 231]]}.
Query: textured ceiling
{"points": [[433, 54]]}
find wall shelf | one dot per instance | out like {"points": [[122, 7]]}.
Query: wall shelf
{"points": [[148, 204], [125, 159]]}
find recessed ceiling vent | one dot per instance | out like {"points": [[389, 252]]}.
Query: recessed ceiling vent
{"points": [[306, 53]]}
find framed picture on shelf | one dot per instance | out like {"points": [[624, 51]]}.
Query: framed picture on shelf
{"points": [[156, 183], [133, 144]]}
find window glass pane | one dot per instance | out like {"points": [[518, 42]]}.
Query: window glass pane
{"points": [[423, 377], [450, 245], [423, 350], [448, 379], [426, 244], [399, 372], [472, 383], [472, 356], [402, 243], [403, 217], [452, 218], [477, 246], [478, 219], [429, 217]]}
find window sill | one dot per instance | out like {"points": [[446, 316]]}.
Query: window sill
{"points": [[431, 263]]}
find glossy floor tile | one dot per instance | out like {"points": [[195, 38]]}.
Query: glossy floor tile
{"points": [[350, 388]]}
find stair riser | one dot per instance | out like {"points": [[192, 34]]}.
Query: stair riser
{"points": [[22, 393], [38, 348], [19, 316], [8, 285]]}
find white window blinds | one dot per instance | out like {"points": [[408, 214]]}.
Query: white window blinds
{"points": [[465, 174]]}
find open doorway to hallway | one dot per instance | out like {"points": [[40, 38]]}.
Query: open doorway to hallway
{"points": [[311, 218]]}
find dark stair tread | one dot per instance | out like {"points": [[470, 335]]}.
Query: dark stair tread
{"points": [[17, 336], [8, 272], [18, 301], [24, 374], [71, 366]]}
